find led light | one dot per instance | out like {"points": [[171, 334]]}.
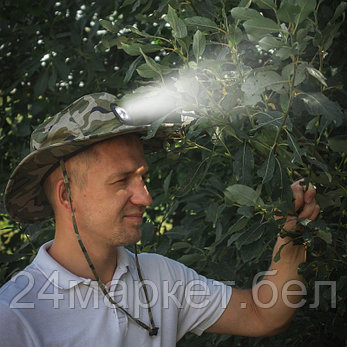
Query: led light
{"points": [[147, 115], [121, 114]]}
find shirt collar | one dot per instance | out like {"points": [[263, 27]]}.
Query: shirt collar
{"points": [[64, 279]]}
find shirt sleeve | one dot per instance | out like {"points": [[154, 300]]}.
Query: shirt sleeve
{"points": [[204, 301], [201, 301]]}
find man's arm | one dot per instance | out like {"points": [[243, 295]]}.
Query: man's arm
{"points": [[255, 312]]}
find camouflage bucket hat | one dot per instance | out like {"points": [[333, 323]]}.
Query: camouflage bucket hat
{"points": [[90, 119]]}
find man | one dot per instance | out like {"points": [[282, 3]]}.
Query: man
{"points": [[87, 166]]}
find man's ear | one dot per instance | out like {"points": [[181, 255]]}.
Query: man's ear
{"points": [[61, 195]]}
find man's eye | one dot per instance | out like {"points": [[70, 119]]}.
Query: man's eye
{"points": [[123, 180]]}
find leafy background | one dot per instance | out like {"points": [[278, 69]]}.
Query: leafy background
{"points": [[267, 78]]}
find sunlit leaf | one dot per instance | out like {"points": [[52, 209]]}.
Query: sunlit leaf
{"points": [[259, 27], [244, 13], [318, 104], [134, 49], [109, 26], [317, 74], [199, 44], [201, 23], [177, 24]]}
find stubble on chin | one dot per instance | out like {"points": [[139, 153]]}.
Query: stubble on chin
{"points": [[127, 236]]}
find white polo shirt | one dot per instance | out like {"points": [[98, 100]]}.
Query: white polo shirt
{"points": [[46, 305]]}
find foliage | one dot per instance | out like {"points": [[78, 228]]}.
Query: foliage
{"points": [[266, 78]]}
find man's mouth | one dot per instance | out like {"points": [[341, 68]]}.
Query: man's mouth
{"points": [[135, 217]]}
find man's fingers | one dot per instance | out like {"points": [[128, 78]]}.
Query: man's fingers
{"points": [[302, 194], [298, 194], [310, 211], [310, 194]]}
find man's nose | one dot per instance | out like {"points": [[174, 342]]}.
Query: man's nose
{"points": [[140, 195]]}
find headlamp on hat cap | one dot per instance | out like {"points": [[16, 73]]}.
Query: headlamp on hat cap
{"points": [[147, 118], [121, 114]]}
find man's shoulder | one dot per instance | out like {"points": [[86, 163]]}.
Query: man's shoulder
{"points": [[157, 260], [160, 266], [20, 284]]}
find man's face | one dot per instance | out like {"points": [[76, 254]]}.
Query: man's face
{"points": [[110, 206]]}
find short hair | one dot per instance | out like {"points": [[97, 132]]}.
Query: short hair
{"points": [[76, 167]]}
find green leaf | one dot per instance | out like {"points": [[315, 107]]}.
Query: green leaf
{"points": [[266, 171], [146, 71], [152, 130], [105, 42], [181, 245], [285, 52], [109, 26], [52, 80], [325, 235], [300, 73], [259, 27], [328, 34], [201, 23], [269, 42], [166, 184], [268, 119], [177, 24], [244, 13], [132, 69], [255, 85], [306, 8], [277, 256], [147, 233], [252, 252], [288, 12], [137, 31], [235, 35], [317, 104], [239, 225], [340, 9], [243, 164], [242, 195], [252, 234], [338, 143], [246, 211], [199, 44], [189, 259], [297, 151], [284, 102], [134, 49], [316, 74], [265, 4], [152, 64]]}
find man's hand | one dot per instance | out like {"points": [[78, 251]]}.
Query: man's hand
{"points": [[243, 315], [305, 204]]}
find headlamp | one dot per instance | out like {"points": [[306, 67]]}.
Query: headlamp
{"points": [[122, 115], [147, 117]]}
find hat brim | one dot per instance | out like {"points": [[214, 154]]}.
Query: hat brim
{"points": [[25, 199]]}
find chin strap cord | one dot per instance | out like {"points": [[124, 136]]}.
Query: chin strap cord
{"points": [[151, 330]]}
